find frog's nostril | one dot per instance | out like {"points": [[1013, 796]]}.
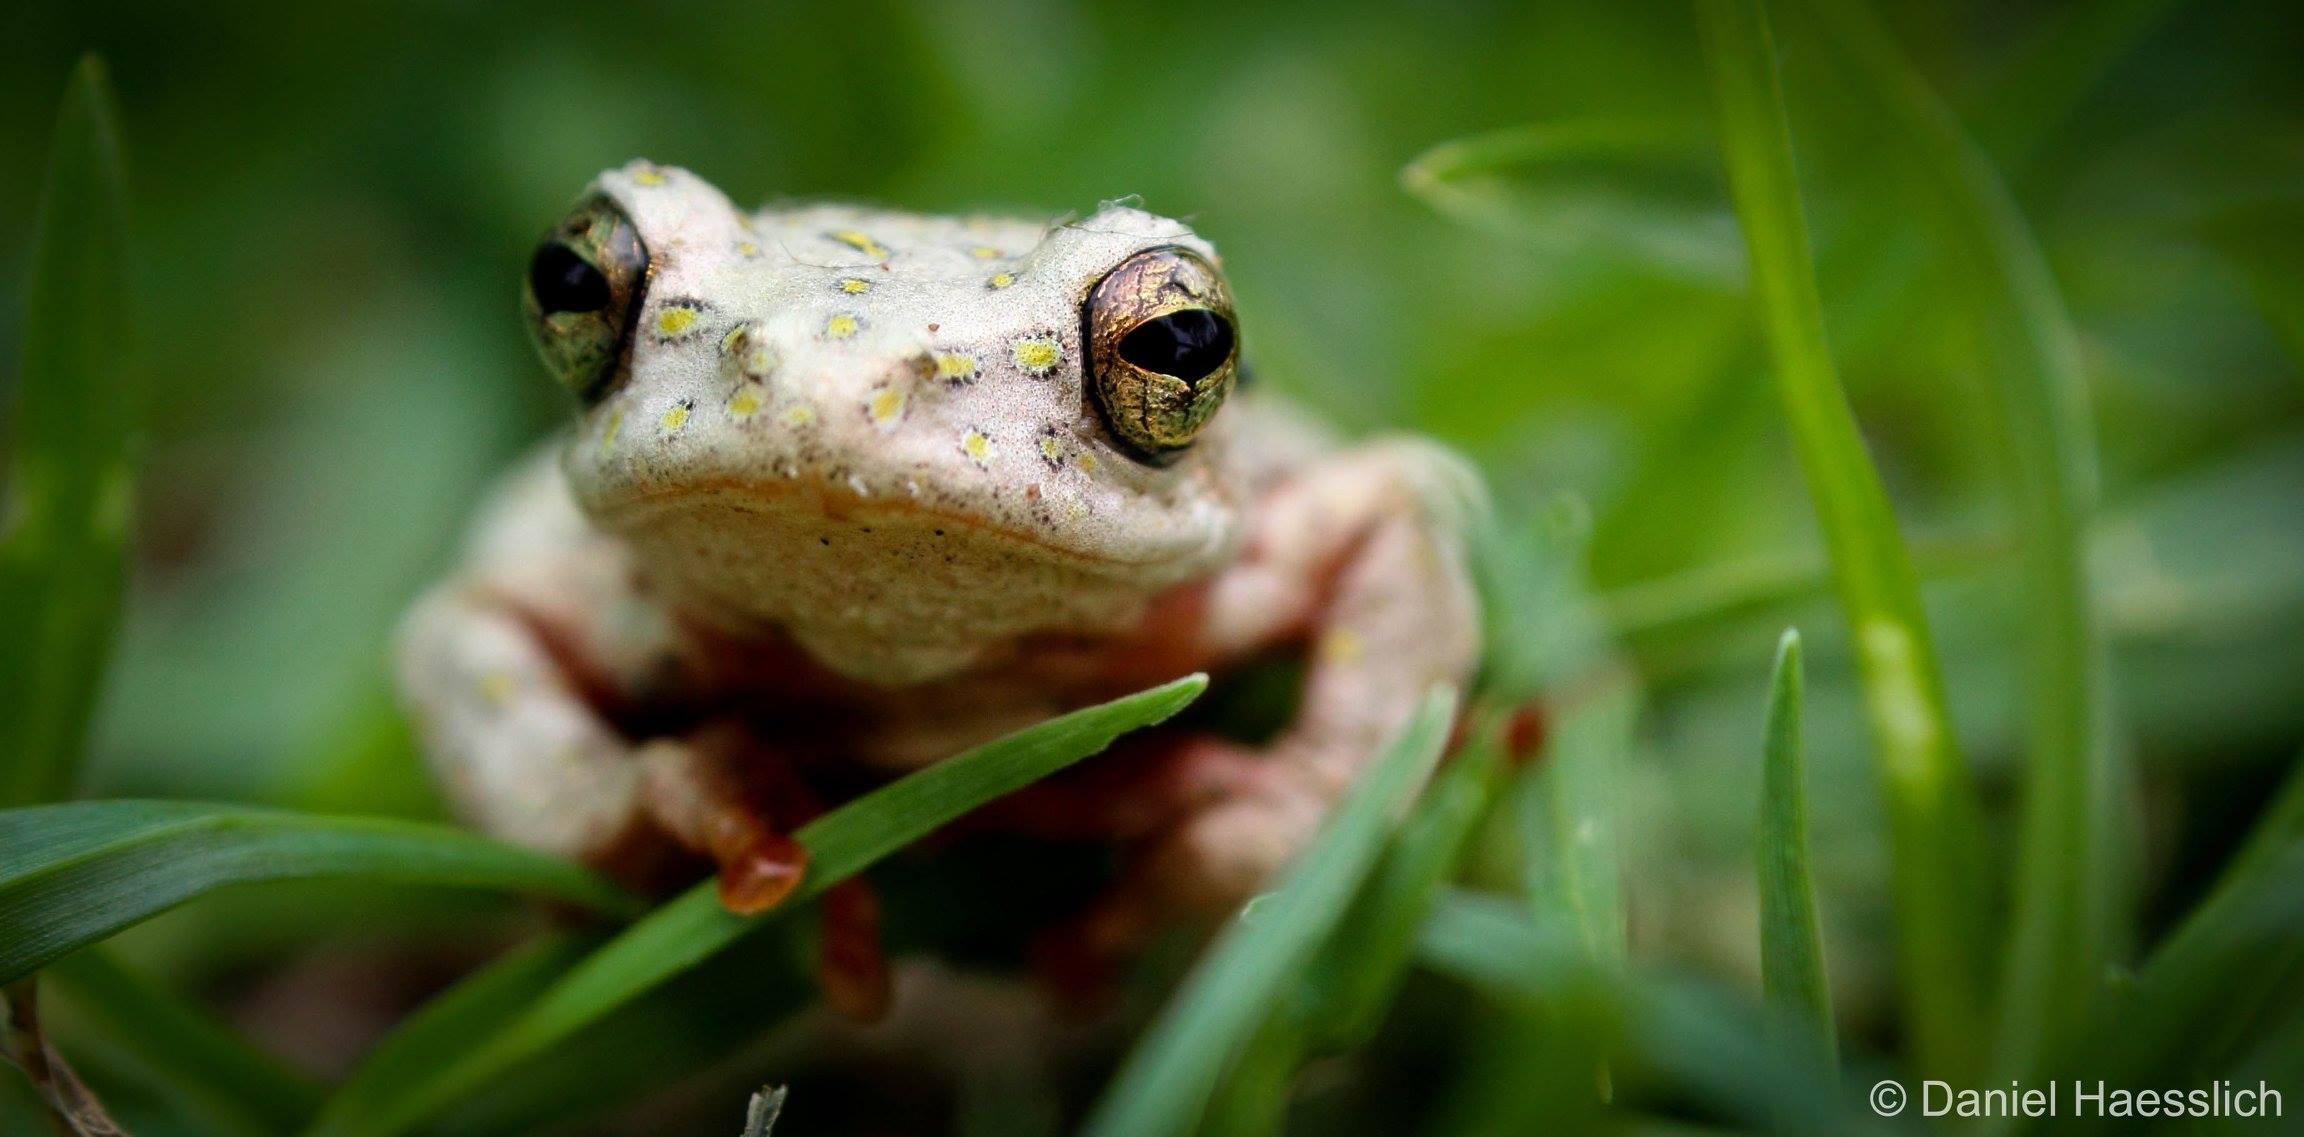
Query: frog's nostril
{"points": [[564, 281]]}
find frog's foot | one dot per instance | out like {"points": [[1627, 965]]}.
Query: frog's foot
{"points": [[759, 867], [725, 794], [1361, 561], [850, 963], [690, 788]]}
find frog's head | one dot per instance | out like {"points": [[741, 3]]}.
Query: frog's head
{"points": [[880, 428]]}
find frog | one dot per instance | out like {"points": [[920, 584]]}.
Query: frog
{"points": [[850, 490]]}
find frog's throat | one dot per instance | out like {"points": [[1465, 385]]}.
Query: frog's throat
{"points": [[882, 589], [639, 507]]}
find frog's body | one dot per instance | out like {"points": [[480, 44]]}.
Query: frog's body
{"points": [[856, 489]]}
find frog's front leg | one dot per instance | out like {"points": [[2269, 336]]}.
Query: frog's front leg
{"points": [[1362, 558], [509, 701]]}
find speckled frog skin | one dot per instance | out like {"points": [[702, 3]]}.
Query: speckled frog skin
{"points": [[853, 490]]}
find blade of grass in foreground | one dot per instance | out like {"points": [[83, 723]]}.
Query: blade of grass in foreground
{"points": [[1791, 953], [2067, 860], [76, 873], [1566, 800], [1575, 868], [1164, 1085], [64, 523], [696, 1023], [199, 1064], [446, 1029], [692, 927], [2219, 977], [1705, 1046], [1351, 981], [1358, 974], [1931, 806]]}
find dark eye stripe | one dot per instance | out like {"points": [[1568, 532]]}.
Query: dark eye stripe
{"points": [[1189, 344]]}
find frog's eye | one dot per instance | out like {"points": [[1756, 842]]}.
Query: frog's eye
{"points": [[1162, 349], [584, 284]]}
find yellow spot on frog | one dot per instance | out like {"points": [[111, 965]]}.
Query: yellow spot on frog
{"points": [[608, 432], [861, 242], [985, 253], [674, 321], [976, 446], [799, 414], [748, 248], [955, 366], [675, 416], [1000, 280], [1341, 646], [1051, 449], [753, 359], [744, 405], [649, 177], [854, 286], [842, 325], [886, 406], [1038, 354], [496, 687], [1086, 462]]}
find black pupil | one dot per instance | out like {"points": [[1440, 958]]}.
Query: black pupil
{"points": [[1189, 345], [565, 282]]}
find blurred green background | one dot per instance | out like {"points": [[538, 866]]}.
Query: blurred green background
{"points": [[332, 204]]}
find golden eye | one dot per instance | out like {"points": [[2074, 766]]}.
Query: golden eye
{"points": [[584, 285], [1162, 350]]}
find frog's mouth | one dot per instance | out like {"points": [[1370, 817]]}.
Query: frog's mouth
{"points": [[878, 588], [833, 508]]}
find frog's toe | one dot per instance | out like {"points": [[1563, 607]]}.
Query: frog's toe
{"points": [[851, 966], [759, 870]]}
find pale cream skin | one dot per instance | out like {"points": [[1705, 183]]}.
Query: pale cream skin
{"points": [[849, 508]]}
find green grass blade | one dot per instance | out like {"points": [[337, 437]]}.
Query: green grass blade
{"points": [[1707, 1045], [683, 1033], [1358, 974], [2281, 826], [74, 874], [1164, 1085], [1615, 187], [2067, 858], [64, 520], [2264, 239], [1791, 950], [199, 1063], [451, 1026], [1659, 617], [2228, 985], [1565, 802], [1488, 941], [1579, 873], [2069, 61], [693, 926], [1933, 832], [1352, 980], [1253, 1097], [2244, 933]]}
